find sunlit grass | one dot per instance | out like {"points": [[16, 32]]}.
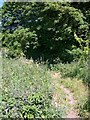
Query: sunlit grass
{"points": [[24, 78], [80, 93], [26, 90], [74, 76]]}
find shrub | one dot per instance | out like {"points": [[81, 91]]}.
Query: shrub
{"points": [[20, 41], [47, 29]]}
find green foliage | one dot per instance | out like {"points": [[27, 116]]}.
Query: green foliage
{"points": [[82, 51], [76, 69], [48, 27], [26, 91], [51, 32], [20, 41], [75, 76], [35, 106]]}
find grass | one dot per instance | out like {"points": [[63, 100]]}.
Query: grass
{"points": [[80, 94], [61, 99], [27, 89], [76, 69], [74, 76]]}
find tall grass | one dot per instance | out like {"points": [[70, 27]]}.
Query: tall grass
{"points": [[26, 90], [76, 69], [75, 76]]}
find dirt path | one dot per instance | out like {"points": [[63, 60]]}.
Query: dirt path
{"points": [[69, 96], [72, 112]]}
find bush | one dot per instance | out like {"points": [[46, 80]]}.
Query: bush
{"points": [[18, 42], [47, 29]]}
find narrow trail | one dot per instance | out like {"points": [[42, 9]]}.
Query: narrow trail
{"points": [[72, 112], [69, 96]]}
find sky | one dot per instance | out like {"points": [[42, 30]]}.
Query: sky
{"points": [[1, 3]]}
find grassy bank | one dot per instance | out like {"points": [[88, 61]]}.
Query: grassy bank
{"points": [[27, 89], [74, 76]]}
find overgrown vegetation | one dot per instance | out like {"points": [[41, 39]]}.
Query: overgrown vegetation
{"points": [[80, 94], [51, 31], [76, 69], [26, 91], [55, 34]]}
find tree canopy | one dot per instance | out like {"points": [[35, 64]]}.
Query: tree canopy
{"points": [[45, 30]]}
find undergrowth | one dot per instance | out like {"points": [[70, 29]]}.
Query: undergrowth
{"points": [[76, 69], [26, 91], [75, 76]]}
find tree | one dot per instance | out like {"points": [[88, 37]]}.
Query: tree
{"points": [[53, 24]]}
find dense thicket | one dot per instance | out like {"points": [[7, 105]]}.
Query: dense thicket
{"points": [[51, 31]]}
